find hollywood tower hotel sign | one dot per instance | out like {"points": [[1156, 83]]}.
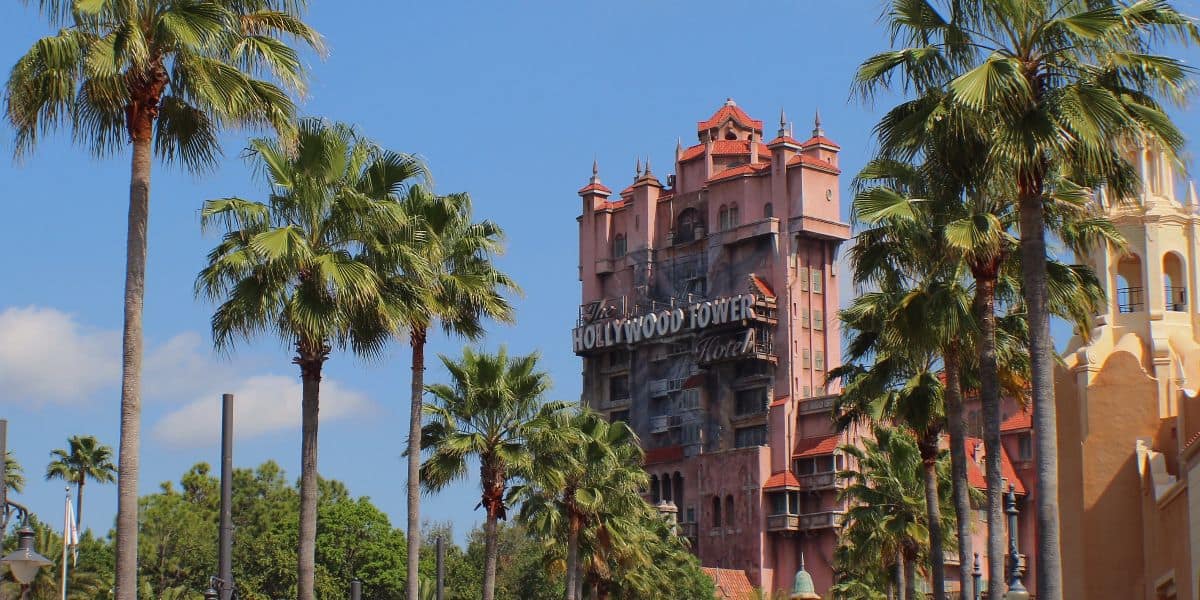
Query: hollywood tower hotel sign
{"points": [[707, 322]]}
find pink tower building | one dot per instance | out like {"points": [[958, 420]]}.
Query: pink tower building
{"points": [[708, 322]]}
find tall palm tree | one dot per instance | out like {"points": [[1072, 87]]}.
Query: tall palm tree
{"points": [[456, 287], [85, 458], [295, 266], [491, 411], [591, 471], [1062, 84], [164, 76]]}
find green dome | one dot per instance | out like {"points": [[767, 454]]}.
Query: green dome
{"points": [[804, 583]]}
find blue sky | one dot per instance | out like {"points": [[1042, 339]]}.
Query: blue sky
{"points": [[507, 101]]}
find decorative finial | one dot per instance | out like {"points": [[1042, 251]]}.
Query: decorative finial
{"points": [[647, 172], [678, 148], [638, 174], [595, 172], [1193, 198], [730, 102], [802, 561], [817, 131], [782, 123]]}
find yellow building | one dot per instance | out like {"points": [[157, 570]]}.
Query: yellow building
{"points": [[1129, 416]]}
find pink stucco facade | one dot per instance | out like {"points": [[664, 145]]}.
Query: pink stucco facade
{"points": [[708, 322]]}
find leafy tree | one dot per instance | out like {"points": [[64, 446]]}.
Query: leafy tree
{"points": [[490, 411], [1061, 85], [164, 76], [454, 285], [295, 266], [86, 458]]}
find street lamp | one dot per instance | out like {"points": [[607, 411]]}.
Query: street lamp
{"points": [[25, 562]]}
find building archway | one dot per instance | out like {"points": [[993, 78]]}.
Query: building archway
{"points": [[1175, 292], [1131, 292]]}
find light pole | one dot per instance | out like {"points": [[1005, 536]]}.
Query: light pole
{"points": [[977, 579], [25, 562], [1016, 589]]}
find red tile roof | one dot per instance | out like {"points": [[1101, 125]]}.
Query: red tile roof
{"points": [[781, 480], [1020, 420], [817, 446], [729, 111], [813, 141], [780, 401], [784, 139], [725, 148], [762, 286], [975, 470], [813, 161], [662, 455], [594, 187], [740, 170], [732, 584]]}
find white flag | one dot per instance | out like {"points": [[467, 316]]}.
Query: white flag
{"points": [[71, 537]]}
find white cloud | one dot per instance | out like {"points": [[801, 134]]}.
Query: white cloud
{"points": [[262, 404], [46, 356], [183, 367]]}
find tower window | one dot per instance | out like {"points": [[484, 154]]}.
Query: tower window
{"points": [[723, 217], [818, 322], [1175, 285], [734, 221], [716, 511], [729, 511], [619, 245], [817, 280]]}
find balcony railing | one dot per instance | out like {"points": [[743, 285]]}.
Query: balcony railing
{"points": [[816, 405], [662, 387], [1130, 299], [783, 522], [1176, 298], [805, 522], [663, 423]]}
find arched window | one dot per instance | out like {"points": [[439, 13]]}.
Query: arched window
{"points": [[734, 221], [723, 217], [730, 134], [687, 226], [1174, 282], [729, 511], [654, 495], [768, 211], [619, 246], [716, 511], [666, 487], [1131, 296]]}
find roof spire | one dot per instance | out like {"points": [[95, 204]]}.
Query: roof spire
{"points": [[647, 173], [638, 169], [782, 123], [678, 149], [802, 561], [595, 172], [1193, 199], [817, 131]]}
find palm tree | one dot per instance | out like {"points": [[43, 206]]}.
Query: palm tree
{"points": [[1061, 84], [14, 474], [166, 76], [885, 532], [590, 469], [458, 287], [493, 412], [295, 266], [86, 458]]}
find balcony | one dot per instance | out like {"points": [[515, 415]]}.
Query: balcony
{"points": [[689, 530], [822, 520], [605, 266], [820, 404], [664, 423], [1130, 299], [821, 481], [663, 387], [747, 231], [783, 523]]}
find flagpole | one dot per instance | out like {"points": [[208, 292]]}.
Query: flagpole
{"points": [[66, 536]]}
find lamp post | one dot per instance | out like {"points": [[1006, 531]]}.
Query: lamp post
{"points": [[977, 579], [25, 562], [1016, 589]]}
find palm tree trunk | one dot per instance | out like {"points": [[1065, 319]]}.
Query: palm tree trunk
{"points": [[957, 428], [140, 128], [414, 459], [1041, 358], [310, 369], [937, 556], [490, 557], [901, 584], [910, 578], [79, 504], [989, 396], [572, 556]]}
